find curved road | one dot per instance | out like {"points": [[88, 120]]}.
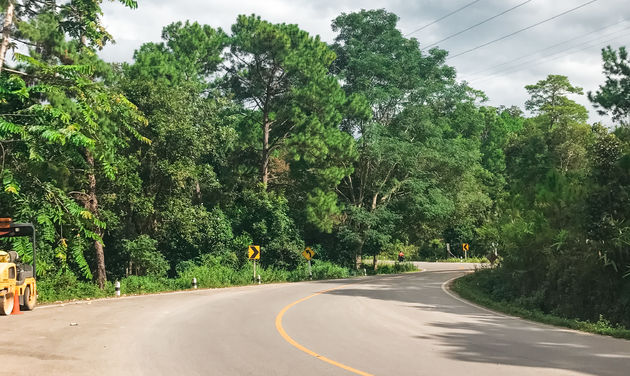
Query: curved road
{"points": [[387, 325]]}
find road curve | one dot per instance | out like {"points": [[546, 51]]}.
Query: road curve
{"points": [[386, 325]]}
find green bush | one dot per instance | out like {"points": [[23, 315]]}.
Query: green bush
{"points": [[391, 251], [144, 259], [146, 285], [328, 270], [66, 286], [212, 271], [391, 268], [477, 287]]}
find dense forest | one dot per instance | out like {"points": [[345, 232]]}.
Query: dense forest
{"points": [[212, 140]]}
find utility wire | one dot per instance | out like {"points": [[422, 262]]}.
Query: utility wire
{"points": [[535, 61], [443, 17], [477, 24], [521, 30], [532, 53], [552, 57]]}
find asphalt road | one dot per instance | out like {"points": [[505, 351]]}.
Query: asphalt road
{"points": [[386, 325]]}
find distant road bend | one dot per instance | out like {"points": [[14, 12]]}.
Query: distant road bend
{"points": [[386, 325]]}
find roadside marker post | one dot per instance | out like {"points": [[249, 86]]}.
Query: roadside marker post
{"points": [[308, 255], [194, 283], [310, 273], [466, 248], [117, 288], [253, 253]]}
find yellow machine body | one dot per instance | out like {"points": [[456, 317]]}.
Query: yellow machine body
{"points": [[16, 279]]}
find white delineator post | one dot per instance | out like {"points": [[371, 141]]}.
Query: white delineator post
{"points": [[117, 288], [194, 283], [310, 273]]}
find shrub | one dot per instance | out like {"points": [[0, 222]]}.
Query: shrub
{"points": [[144, 259], [66, 286]]}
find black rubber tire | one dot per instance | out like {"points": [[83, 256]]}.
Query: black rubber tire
{"points": [[29, 301]]}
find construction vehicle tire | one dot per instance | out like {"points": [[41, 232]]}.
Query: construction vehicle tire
{"points": [[7, 305], [28, 299]]}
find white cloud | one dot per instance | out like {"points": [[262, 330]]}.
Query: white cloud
{"points": [[505, 86]]}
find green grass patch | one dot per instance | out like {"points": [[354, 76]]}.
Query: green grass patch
{"points": [[390, 268], [210, 273], [470, 287]]}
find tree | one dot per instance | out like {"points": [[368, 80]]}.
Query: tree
{"points": [[177, 177], [282, 72], [293, 107], [63, 106], [614, 95], [6, 31], [548, 98], [421, 136], [80, 19]]}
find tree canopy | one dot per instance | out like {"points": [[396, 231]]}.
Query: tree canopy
{"points": [[212, 140]]}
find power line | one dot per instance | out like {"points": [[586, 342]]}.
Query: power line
{"points": [[477, 24], [535, 61], [530, 54], [521, 30], [443, 17], [552, 57]]}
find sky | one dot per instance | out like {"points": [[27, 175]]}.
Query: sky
{"points": [[569, 44]]}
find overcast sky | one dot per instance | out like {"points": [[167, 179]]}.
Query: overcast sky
{"points": [[569, 44]]}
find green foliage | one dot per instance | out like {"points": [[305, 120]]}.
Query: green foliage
{"points": [[144, 258], [392, 250], [66, 286], [263, 217], [612, 96], [395, 268], [208, 142], [281, 74], [418, 176], [478, 287], [190, 53]]}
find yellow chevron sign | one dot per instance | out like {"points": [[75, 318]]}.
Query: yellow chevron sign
{"points": [[253, 253]]}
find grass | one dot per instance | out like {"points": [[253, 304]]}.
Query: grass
{"points": [[212, 273], [468, 287], [390, 268]]}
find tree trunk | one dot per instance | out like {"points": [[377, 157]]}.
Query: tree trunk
{"points": [[92, 206], [375, 262], [265, 152], [6, 32], [359, 256], [198, 191]]}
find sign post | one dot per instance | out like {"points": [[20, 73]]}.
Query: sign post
{"points": [[253, 253], [308, 255]]}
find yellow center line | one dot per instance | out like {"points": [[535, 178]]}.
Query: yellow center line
{"points": [[287, 338]]}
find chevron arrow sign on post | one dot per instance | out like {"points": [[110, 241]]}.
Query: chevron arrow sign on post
{"points": [[253, 253]]}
